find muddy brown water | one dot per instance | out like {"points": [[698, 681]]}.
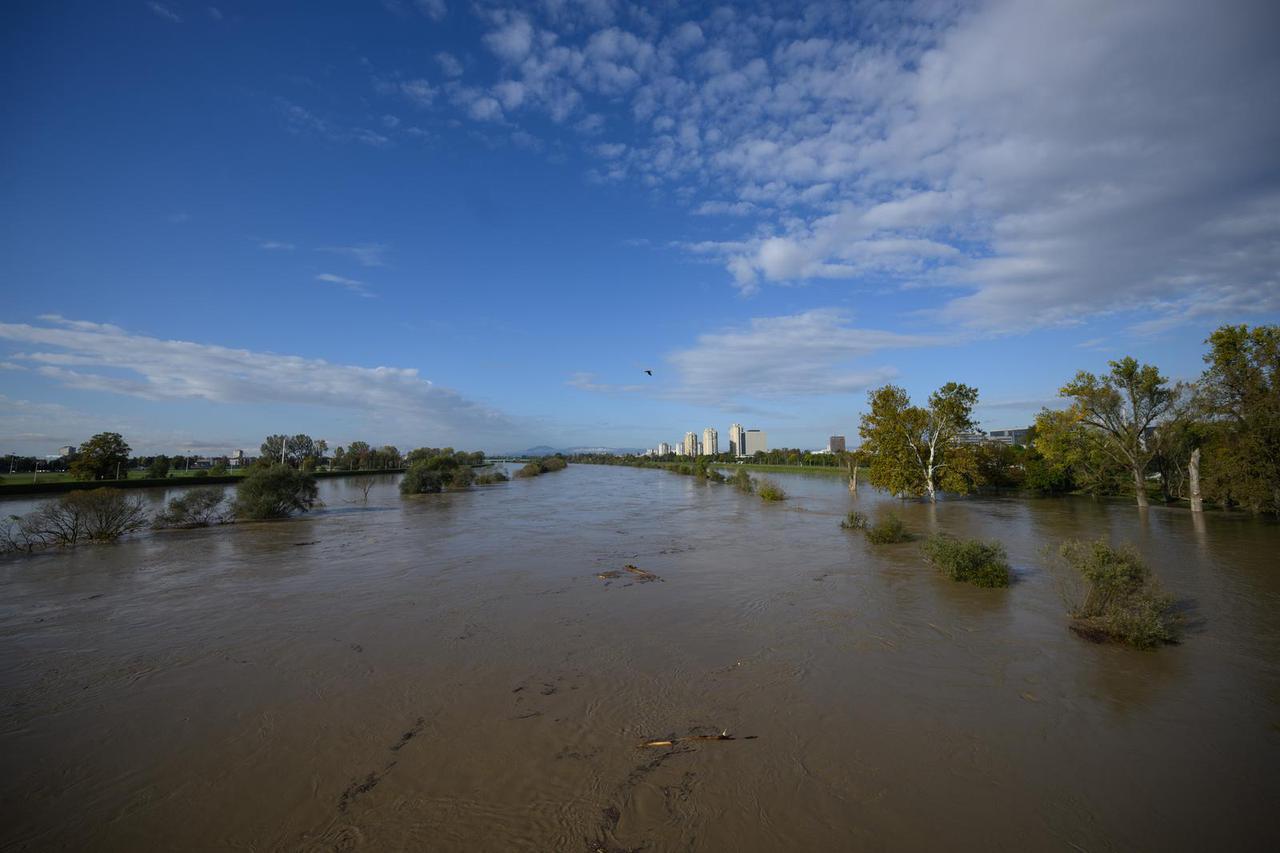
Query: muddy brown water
{"points": [[451, 673]]}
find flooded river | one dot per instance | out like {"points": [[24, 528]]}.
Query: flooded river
{"points": [[450, 673]]}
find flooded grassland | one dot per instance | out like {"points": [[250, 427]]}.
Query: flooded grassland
{"points": [[481, 670]]}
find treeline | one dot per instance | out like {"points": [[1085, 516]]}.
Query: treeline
{"points": [[1128, 431]]}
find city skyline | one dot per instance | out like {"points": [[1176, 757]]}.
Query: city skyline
{"points": [[388, 224]]}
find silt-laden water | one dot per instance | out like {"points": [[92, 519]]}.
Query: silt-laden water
{"points": [[450, 673]]}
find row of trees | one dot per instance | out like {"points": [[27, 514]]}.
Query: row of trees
{"points": [[1127, 429]]}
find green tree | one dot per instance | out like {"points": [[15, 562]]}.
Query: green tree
{"points": [[1071, 456], [915, 450], [1120, 406], [103, 457], [275, 492], [1241, 393], [159, 467]]}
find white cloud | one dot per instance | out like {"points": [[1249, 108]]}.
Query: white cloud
{"points": [[351, 284], [449, 64], [419, 92], [302, 121], [162, 11], [365, 254], [1042, 161], [811, 354], [106, 358], [433, 9], [513, 40], [276, 246], [808, 354]]}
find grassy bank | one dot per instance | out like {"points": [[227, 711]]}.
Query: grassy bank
{"points": [[15, 485]]}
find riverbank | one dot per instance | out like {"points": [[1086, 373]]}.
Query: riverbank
{"points": [[17, 489]]}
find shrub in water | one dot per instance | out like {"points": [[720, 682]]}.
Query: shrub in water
{"points": [[970, 560], [1111, 595], [742, 481], [533, 469], [768, 490], [275, 492], [552, 463], [421, 479], [196, 508], [96, 515], [461, 477], [888, 530], [854, 521], [494, 477]]}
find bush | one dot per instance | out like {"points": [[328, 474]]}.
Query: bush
{"points": [[159, 468], [742, 481], [275, 492], [489, 479], [196, 508], [971, 560], [532, 469], [96, 515], [887, 531], [768, 490], [854, 521], [1111, 595], [422, 479], [553, 463], [220, 470], [460, 477]]}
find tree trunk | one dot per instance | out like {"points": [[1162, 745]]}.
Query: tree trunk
{"points": [[1193, 471], [853, 478], [1140, 486], [928, 484]]}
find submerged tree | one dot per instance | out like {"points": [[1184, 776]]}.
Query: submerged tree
{"points": [[914, 449], [1241, 393], [275, 492], [1120, 406]]}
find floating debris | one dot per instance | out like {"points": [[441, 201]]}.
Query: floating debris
{"points": [[641, 575], [672, 741]]}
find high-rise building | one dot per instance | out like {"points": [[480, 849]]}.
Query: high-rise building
{"points": [[737, 444], [710, 442], [690, 444], [754, 440], [663, 448], [835, 444]]}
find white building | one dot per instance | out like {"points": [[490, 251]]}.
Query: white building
{"points": [[737, 442], [754, 441], [690, 444], [710, 442], [663, 448]]}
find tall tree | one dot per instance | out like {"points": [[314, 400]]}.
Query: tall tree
{"points": [[102, 457], [1241, 390], [1120, 406], [915, 450]]}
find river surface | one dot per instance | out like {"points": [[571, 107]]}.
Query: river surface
{"points": [[450, 673]]}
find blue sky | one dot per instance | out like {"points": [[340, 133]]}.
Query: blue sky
{"points": [[429, 223]]}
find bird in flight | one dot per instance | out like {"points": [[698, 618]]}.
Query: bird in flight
{"points": [[650, 372]]}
